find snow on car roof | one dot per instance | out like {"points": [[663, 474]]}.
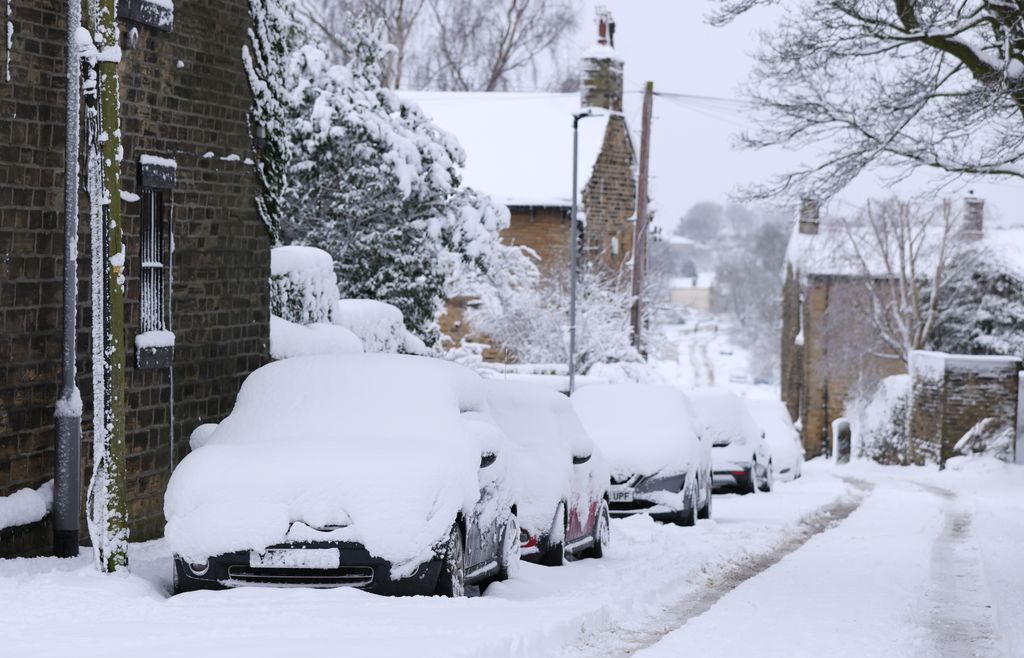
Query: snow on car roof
{"points": [[722, 414], [518, 145], [357, 397], [641, 428]]}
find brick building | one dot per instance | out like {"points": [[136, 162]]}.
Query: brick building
{"points": [[519, 151], [184, 98]]}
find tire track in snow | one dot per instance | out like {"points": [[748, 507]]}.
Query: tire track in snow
{"points": [[960, 615], [620, 641]]}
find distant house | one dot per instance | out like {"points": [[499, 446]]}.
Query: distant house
{"points": [[519, 151], [691, 291], [184, 106]]}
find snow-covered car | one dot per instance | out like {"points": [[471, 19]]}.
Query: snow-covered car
{"points": [[782, 437], [377, 471], [658, 462], [559, 477], [741, 457]]}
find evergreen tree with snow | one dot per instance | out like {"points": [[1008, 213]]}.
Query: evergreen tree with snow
{"points": [[369, 179]]}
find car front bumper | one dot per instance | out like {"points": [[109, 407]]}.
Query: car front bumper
{"points": [[659, 497], [357, 568]]}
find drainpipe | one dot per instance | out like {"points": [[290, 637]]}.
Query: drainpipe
{"points": [[68, 413]]}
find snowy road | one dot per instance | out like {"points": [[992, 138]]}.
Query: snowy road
{"points": [[858, 562]]}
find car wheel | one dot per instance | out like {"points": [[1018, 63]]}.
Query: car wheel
{"points": [[688, 517], [602, 532], [554, 555], [452, 580], [768, 482], [705, 511], [510, 548], [749, 484]]}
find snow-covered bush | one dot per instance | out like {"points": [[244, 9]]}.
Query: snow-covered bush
{"points": [[990, 437], [289, 339], [368, 178], [532, 323], [880, 421], [303, 287], [379, 326]]}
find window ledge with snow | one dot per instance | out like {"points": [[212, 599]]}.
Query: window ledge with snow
{"points": [[154, 349], [26, 506], [157, 14]]}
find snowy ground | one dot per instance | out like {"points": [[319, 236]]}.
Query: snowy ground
{"points": [[858, 561]]}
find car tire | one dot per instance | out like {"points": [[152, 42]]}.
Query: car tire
{"points": [[705, 510], [602, 532], [749, 484], [451, 582], [510, 548], [768, 482], [688, 517], [554, 554]]}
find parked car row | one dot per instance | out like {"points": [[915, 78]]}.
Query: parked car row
{"points": [[412, 475]]}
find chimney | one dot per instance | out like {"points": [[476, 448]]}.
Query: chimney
{"points": [[973, 224], [810, 215], [601, 69]]}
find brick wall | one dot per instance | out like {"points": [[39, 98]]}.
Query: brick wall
{"points": [[609, 200], [221, 263], [951, 394]]}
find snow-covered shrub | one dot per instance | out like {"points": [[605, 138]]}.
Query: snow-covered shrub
{"points": [[303, 288], [379, 326], [990, 437], [368, 178], [880, 421], [532, 323]]}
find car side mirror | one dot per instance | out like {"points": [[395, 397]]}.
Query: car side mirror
{"points": [[577, 459], [487, 459]]}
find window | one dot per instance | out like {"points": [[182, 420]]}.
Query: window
{"points": [[151, 239], [154, 344]]}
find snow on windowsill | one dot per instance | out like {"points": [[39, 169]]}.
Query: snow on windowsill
{"points": [[157, 161], [26, 506], [152, 339]]}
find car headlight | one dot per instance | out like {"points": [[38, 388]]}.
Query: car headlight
{"points": [[671, 483]]}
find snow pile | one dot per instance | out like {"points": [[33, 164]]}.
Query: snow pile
{"points": [[380, 326], [26, 506], [626, 372], [303, 287], [879, 421], [991, 437], [641, 428], [376, 443], [544, 435], [289, 340]]}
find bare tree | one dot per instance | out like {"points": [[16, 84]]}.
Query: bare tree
{"points": [[898, 83], [903, 253], [401, 20], [481, 45]]}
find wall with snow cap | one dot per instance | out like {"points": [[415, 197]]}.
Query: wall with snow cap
{"points": [[951, 393], [220, 301]]}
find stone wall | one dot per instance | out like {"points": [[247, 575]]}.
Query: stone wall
{"points": [[184, 94], [609, 200], [951, 394]]}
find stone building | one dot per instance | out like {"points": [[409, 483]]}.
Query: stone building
{"points": [[188, 182], [519, 149], [826, 346]]}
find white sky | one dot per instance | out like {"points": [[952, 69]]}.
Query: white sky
{"points": [[692, 153]]}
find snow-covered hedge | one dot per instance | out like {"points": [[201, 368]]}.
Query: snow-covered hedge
{"points": [[880, 421], [303, 287], [380, 326], [289, 340], [991, 437]]}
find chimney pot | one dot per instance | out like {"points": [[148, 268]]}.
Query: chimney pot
{"points": [[810, 216], [601, 71], [973, 224]]}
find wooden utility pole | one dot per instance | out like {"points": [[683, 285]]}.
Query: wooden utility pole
{"points": [[642, 220], [108, 515]]}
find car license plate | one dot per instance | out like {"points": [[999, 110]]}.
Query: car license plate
{"points": [[296, 558], [621, 495]]}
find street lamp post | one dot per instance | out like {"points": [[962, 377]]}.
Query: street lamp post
{"points": [[574, 246]]}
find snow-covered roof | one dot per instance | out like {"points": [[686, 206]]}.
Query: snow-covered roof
{"points": [[518, 145], [702, 280]]}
